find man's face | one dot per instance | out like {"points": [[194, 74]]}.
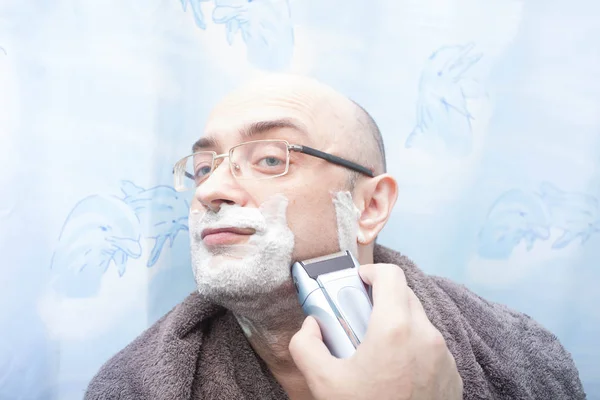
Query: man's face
{"points": [[309, 184]]}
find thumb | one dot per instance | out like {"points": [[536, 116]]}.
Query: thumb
{"points": [[308, 351]]}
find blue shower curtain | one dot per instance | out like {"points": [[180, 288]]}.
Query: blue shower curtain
{"points": [[490, 113]]}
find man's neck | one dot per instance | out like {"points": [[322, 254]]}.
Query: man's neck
{"points": [[269, 331]]}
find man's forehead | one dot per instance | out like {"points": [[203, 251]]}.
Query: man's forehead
{"points": [[240, 117], [283, 104]]}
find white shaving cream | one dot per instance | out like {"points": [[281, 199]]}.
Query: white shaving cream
{"points": [[236, 276], [247, 278], [347, 215]]}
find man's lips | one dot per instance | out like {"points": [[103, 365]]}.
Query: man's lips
{"points": [[225, 235]]}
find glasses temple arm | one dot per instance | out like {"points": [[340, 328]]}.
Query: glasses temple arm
{"points": [[186, 174], [336, 160]]}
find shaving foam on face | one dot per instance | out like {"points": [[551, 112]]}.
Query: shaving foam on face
{"points": [[239, 276], [347, 222]]}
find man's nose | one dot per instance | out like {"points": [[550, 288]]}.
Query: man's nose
{"points": [[219, 188]]}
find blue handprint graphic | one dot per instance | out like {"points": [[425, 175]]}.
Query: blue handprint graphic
{"points": [[100, 230], [197, 11], [104, 230], [575, 214], [265, 27], [442, 110], [514, 217], [161, 210], [518, 216]]}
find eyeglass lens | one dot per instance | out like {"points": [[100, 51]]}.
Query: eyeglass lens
{"points": [[252, 160]]}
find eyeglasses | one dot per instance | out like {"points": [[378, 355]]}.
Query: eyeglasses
{"points": [[258, 160]]}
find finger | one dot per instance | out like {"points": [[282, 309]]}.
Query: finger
{"points": [[309, 353], [417, 311], [390, 295], [387, 280], [420, 322]]}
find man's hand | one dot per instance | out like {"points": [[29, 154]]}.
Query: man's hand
{"points": [[403, 356]]}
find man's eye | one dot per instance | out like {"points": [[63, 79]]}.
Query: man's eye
{"points": [[202, 170], [271, 162]]}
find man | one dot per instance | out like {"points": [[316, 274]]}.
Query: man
{"points": [[288, 169]]}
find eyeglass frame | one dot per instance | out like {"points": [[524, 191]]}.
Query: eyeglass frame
{"points": [[290, 147]]}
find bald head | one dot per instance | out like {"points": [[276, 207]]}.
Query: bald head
{"points": [[369, 149], [341, 125]]}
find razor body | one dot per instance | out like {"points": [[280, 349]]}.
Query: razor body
{"points": [[330, 290]]}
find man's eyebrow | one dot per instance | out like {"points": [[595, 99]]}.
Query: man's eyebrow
{"points": [[251, 130], [257, 128], [204, 142]]}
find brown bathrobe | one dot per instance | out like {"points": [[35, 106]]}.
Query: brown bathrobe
{"points": [[198, 351]]}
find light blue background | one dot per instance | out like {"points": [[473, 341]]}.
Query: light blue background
{"points": [[490, 113]]}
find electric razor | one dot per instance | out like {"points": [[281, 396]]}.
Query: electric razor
{"points": [[330, 290]]}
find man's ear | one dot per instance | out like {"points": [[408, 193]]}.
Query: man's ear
{"points": [[378, 196]]}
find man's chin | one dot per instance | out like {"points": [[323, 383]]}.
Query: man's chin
{"points": [[250, 298], [219, 259], [230, 251]]}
